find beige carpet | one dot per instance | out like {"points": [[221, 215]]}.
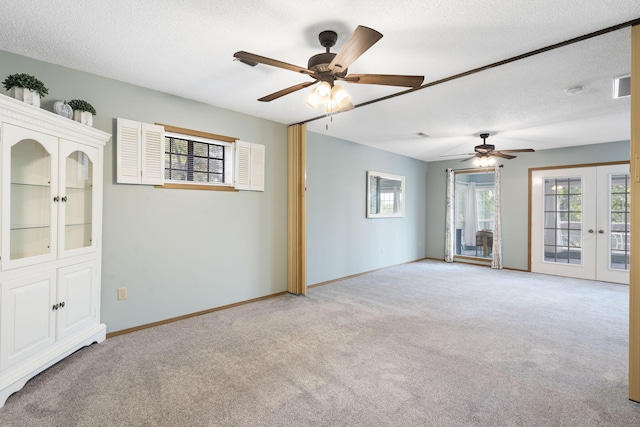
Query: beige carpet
{"points": [[424, 344]]}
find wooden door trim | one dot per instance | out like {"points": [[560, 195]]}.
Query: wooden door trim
{"points": [[297, 210], [634, 279]]}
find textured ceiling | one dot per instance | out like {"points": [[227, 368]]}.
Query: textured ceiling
{"points": [[185, 47]]}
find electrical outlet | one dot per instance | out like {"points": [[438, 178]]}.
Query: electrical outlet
{"points": [[122, 293]]}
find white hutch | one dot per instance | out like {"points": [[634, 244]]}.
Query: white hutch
{"points": [[50, 240]]}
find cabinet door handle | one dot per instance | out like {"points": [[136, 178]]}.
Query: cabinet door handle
{"points": [[601, 231], [61, 304], [590, 230], [56, 199], [64, 198], [55, 306]]}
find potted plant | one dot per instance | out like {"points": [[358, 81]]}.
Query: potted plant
{"points": [[83, 112], [26, 88]]}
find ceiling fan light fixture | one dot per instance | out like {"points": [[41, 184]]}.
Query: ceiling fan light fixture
{"points": [[313, 100], [321, 94], [340, 97], [483, 162], [347, 107], [323, 90], [330, 107]]}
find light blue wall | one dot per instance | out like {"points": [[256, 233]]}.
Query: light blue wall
{"points": [[181, 251], [177, 251], [341, 240], [515, 193]]}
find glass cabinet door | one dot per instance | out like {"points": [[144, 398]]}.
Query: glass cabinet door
{"points": [[30, 186], [78, 208], [77, 197]]}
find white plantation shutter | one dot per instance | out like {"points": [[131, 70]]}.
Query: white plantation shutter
{"points": [[128, 152], [152, 154], [257, 167], [250, 161], [243, 165], [140, 153]]}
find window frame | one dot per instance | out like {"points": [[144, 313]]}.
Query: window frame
{"points": [[228, 160], [211, 138]]}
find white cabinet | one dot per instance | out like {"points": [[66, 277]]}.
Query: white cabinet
{"points": [[50, 240]]}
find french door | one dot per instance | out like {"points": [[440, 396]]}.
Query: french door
{"points": [[580, 222]]}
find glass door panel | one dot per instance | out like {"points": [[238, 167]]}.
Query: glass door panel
{"points": [[474, 214], [619, 203], [563, 220], [78, 201], [30, 192]]}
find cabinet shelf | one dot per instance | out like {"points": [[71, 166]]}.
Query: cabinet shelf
{"points": [[29, 227], [27, 184]]}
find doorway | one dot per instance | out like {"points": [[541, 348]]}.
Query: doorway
{"points": [[475, 202], [580, 222]]}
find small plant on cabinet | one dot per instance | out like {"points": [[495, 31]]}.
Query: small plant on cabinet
{"points": [[26, 88], [83, 112]]}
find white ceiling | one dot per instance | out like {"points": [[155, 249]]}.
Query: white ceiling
{"points": [[186, 47]]}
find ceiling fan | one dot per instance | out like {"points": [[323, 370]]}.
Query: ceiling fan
{"points": [[484, 152], [328, 67]]}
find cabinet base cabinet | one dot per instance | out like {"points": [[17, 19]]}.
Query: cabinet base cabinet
{"points": [[12, 380]]}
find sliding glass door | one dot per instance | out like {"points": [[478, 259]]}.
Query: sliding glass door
{"points": [[474, 214]]}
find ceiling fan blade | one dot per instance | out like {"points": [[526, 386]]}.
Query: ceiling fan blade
{"points": [[504, 156], [523, 150], [284, 92], [251, 57], [385, 79], [359, 42], [468, 158]]}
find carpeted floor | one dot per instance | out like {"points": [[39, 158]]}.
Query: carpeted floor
{"points": [[422, 344]]}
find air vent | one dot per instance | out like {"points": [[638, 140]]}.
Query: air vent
{"points": [[621, 87], [422, 134]]}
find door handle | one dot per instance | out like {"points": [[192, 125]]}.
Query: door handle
{"points": [[591, 230], [600, 231]]}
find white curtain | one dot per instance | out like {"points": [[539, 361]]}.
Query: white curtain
{"points": [[496, 261], [450, 218], [470, 215]]}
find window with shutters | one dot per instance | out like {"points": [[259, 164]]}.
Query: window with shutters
{"points": [[193, 159], [139, 153]]}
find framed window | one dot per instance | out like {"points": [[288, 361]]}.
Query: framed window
{"points": [[198, 160], [385, 195], [474, 213]]}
